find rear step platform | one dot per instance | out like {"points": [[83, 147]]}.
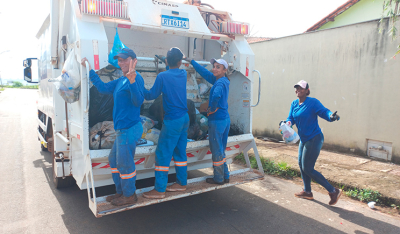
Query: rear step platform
{"points": [[194, 186]]}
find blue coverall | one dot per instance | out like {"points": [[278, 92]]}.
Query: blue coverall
{"points": [[127, 123], [305, 117], [173, 136], [219, 122]]}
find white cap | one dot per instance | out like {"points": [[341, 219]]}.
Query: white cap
{"points": [[302, 84], [220, 61]]}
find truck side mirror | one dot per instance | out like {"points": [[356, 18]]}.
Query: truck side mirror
{"points": [[30, 64]]}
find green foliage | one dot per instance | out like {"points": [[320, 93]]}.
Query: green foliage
{"points": [[391, 10], [17, 84], [270, 167], [30, 87], [396, 207], [364, 195]]}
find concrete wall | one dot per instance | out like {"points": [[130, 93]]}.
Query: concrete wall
{"points": [[362, 11], [349, 70]]}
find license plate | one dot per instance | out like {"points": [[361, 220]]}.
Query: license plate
{"points": [[174, 22]]}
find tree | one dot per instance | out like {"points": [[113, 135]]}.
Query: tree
{"points": [[17, 84], [391, 10]]}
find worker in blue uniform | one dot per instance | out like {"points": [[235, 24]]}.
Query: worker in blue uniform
{"points": [[173, 137], [128, 98], [304, 113], [218, 117]]}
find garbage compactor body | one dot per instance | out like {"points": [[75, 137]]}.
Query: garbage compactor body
{"points": [[87, 29]]}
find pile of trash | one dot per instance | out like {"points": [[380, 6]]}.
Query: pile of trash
{"points": [[102, 133]]}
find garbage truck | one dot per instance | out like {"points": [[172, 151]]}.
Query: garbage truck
{"points": [[87, 28]]}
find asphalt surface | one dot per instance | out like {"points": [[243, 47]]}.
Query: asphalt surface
{"points": [[29, 203]]}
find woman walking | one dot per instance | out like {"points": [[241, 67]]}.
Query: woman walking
{"points": [[304, 114]]}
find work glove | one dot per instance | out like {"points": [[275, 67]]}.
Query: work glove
{"points": [[189, 60], [161, 57], [334, 117]]}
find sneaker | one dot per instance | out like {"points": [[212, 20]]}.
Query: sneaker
{"points": [[176, 188], [154, 194], [122, 200], [112, 197], [305, 195], [212, 181], [335, 196]]}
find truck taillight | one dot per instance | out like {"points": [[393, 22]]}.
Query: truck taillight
{"points": [[234, 28], [109, 8]]}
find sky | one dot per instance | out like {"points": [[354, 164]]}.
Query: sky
{"points": [[21, 20]]}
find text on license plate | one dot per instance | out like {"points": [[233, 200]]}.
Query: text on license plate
{"points": [[176, 22]]}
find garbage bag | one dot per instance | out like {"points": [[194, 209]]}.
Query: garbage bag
{"points": [[156, 110], [109, 73], [70, 76], [102, 135], [202, 121], [153, 135], [117, 47], [101, 107], [144, 142], [147, 123], [69, 95], [288, 134], [191, 111], [193, 132]]}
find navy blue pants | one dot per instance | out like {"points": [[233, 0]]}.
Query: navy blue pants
{"points": [[218, 136], [172, 143], [121, 159], [308, 155]]}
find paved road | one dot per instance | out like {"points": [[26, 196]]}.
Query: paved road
{"points": [[31, 204]]}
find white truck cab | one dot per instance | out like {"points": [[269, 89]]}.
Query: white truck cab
{"points": [[148, 27]]}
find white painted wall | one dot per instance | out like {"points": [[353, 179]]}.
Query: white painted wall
{"points": [[349, 69]]}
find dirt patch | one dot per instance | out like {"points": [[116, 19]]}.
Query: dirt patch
{"points": [[347, 169]]}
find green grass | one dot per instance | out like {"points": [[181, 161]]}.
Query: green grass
{"points": [[364, 195], [30, 87], [282, 169], [270, 167], [22, 87]]}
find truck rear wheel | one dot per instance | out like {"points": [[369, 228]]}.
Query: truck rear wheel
{"points": [[42, 147], [59, 182]]}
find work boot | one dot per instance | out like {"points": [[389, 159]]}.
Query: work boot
{"points": [[305, 195], [212, 181], [112, 197], [335, 196], [154, 194], [176, 188], [122, 200]]}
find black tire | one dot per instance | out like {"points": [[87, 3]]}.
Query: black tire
{"points": [[59, 182], [42, 147]]}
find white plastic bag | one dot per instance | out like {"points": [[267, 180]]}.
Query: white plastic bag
{"points": [[288, 134], [70, 77], [147, 123], [153, 135]]}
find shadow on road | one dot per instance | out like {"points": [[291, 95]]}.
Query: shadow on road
{"points": [[360, 219], [229, 210]]}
